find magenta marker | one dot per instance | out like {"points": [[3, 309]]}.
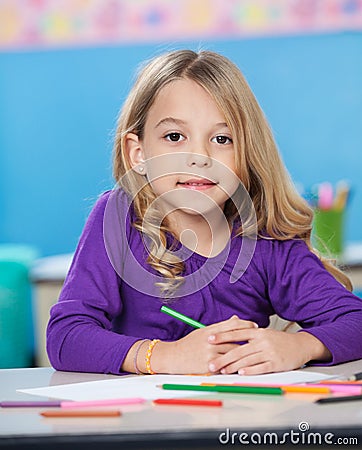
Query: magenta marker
{"points": [[28, 404]]}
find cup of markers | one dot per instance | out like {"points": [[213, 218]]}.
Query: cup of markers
{"points": [[329, 218]]}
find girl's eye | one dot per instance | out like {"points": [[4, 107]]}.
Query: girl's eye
{"points": [[222, 140], [174, 137]]}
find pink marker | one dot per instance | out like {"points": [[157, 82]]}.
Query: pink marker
{"points": [[339, 389], [109, 402], [325, 196]]}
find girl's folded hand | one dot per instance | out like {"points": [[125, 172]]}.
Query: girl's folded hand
{"points": [[266, 350]]}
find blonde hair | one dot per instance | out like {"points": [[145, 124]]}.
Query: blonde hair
{"points": [[281, 213]]}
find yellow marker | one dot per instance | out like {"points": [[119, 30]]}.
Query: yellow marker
{"points": [[342, 192]]}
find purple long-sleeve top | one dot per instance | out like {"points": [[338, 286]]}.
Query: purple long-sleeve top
{"points": [[109, 300]]}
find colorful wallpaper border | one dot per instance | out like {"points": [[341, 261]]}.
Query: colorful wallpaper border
{"points": [[52, 23]]}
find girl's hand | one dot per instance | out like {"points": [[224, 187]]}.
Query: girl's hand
{"points": [[266, 350], [193, 353]]}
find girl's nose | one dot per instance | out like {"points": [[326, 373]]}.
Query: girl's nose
{"points": [[198, 160]]}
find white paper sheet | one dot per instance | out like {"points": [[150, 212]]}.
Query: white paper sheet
{"points": [[147, 386]]}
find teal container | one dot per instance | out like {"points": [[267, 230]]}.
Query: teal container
{"points": [[16, 318]]}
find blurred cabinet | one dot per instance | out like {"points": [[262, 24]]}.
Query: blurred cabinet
{"points": [[48, 275], [352, 260]]}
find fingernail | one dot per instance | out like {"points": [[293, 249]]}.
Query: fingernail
{"points": [[223, 371], [212, 367], [256, 325], [211, 338], [241, 371]]}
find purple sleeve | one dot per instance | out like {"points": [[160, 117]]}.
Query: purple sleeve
{"points": [[79, 333], [302, 290]]}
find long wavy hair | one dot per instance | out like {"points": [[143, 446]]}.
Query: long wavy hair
{"points": [[280, 211]]}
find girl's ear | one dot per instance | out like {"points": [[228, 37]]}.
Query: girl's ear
{"points": [[135, 153]]}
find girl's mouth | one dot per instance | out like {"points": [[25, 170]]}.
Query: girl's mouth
{"points": [[197, 184]]}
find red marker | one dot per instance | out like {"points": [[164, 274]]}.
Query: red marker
{"points": [[187, 402]]}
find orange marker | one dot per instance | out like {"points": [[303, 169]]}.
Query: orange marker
{"points": [[81, 413], [306, 389]]}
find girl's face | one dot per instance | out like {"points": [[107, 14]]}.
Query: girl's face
{"points": [[187, 151]]}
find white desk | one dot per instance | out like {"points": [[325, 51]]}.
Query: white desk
{"points": [[168, 427]]}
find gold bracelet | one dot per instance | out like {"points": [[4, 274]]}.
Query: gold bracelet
{"points": [[148, 356], [138, 372]]}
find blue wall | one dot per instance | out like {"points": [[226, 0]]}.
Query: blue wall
{"points": [[58, 111]]}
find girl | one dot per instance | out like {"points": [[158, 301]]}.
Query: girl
{"points": [[191, 142]]}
